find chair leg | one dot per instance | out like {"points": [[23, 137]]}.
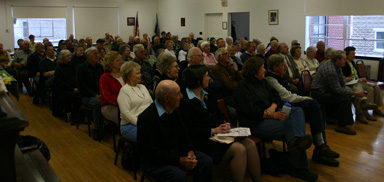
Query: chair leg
{"points": [[143, 177], [113, 136], [133, 162], [89, 125], [117, 151], [284, 146]]}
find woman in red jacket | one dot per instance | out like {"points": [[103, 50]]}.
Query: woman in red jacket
{"points": [[110, 85]]}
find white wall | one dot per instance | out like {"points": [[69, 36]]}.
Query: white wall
{"points": [[126, 8]]}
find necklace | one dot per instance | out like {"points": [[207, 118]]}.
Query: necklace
{"points": [[143, 95]]}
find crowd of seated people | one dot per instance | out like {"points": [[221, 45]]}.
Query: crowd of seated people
{"points": [[170, 80]]}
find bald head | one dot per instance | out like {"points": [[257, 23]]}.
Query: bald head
{"points": [[168, 94], [320, 46]]}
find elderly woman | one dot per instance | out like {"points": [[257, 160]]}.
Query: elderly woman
{"points": [[203, 118], [101, 51], [209, 58], [275, 77], [300, 62], [5, 58], [65, 86], [311, 61], [168, 68], [169, 48], [110, 84], [133, 99], [261, 111], [125, 52], [115, 45]]}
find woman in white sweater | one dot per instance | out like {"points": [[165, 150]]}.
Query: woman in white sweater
{"points": [[133, 99]]}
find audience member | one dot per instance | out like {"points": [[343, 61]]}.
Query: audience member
{"points": [[116, 45], [273, 48], [88, 41], [78, 57], [275, 77], [320, 51], [73, 40], [5, 59], [328, 88], [249, 52], [257, 107], [310, 59], [156, 45], [232, 56], [169, 69], [125, 52], [20, 63], [209, 58], [65, 87], [101, 51], [183, 51], [301, 65], [146, 68], [293, 76], [110, 84], [164, 144], [32, 42], [169, 48], [229, 42], [212, 43], [34, 72], [192, 39], [87, 78], [220, 43], [244, 45], [69, 45], [242, 155], [48, 66], [261, 54]]}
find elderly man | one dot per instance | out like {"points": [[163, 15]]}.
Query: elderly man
{"points": [[88, 40], [100, 44], [146, 68], [74, 41], [292, 76], [228, 75], [220, 43], [33, 68], [374, 94], [192, 38], [320, 51], [48, 66], [261, 54], [244, 45], [249, 52], [87, 77], [164, 143], [108, 39], [20, 61], [273, 49], [156, 45], [328, 88], [45, 41]]}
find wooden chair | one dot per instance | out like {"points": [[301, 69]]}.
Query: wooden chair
{"points": [[132, 145], [114, 125], [307, 81], [363, 72]]}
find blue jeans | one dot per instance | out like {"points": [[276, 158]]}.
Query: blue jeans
{"points": [[202, 172], [294, 125], [129, 132], [93, 103]]}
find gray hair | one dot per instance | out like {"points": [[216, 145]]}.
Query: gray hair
{"points": [[127, 68], [203, 44], [165, 62], [62, 55], [229, 37], [328, 52], [260, 46], [218, 53], [337, 55], [310, 49], [137, 47], [89, 50], [274, 60], [191, 53], [274, 42]]}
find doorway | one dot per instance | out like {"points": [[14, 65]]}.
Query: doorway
{"points": [[238, 25], [213, 25]]}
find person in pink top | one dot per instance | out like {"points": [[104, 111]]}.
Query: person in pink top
{"points": [[209, 58]]}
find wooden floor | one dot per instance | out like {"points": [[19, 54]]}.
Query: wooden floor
{"points": [[76, 157]]}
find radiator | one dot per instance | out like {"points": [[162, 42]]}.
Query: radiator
{"points": [[368, 69]]}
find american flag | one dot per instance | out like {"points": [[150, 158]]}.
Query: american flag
{"points": [[137, 31]]}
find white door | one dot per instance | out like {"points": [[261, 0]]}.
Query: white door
{"points": [[213, 23]]}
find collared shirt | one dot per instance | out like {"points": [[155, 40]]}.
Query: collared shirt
{"points": [[160, 108], [288, 64], [192, 95], [54, 58], [353, 70]]}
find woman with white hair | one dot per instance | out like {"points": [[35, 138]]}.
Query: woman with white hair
{"points": [[209, 58], [311, 61], [169, 47], [133, 99], [64, 86]]}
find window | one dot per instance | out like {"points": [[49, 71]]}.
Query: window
{"points": [[55, 29], [365, 33]]}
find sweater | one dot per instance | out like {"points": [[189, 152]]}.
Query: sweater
{"points": [[109, 89]]}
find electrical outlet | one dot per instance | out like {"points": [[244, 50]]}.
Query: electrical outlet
{"points": [[6, 31]]}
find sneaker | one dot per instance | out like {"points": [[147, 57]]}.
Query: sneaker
{"points": [[365, 105], [304, 174], [345, 130], [95, 135], [378, 112], [324, 159], [300, 143], [324, 150], [361, 118]]}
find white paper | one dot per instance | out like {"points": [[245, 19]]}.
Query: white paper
{"points": [[352, 82], [237, 132]]}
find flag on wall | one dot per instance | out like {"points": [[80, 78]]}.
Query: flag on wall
{"points": [[157, 26], [137, 31]]}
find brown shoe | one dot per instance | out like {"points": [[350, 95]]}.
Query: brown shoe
{"points": [[368, 116], [378, 112], [361, 118], [345, 130], [365, 105]]}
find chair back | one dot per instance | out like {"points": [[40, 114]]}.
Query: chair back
{"points": [[361, 68], [223, 109], [307, 81]]}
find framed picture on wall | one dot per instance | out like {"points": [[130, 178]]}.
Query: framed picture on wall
{"points": [[273, 17], [224, 25], [182, 22], [131, 21]]}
